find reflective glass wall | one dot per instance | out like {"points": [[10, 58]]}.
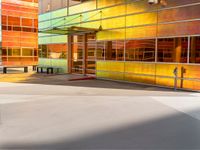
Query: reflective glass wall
{"points": [[19, 22], [51, 5], [137, 41]]}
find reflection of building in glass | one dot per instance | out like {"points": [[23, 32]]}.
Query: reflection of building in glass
{"points": [[19, 32], [127, 40]]}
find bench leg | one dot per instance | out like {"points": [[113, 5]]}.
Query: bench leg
{"points": [[51, 70], [4, 70], [34, 68], [41, 70], [25, 69], [37, 70], [47, 70]]}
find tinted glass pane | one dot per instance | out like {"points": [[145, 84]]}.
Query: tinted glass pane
{"points": [[140, 50], [195, 49], [173, 50]]}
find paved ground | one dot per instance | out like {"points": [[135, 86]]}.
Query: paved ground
{"points": [[40, 112]]}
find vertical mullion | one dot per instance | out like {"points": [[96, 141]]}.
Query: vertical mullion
{"points": [[104, 49], [188, 50], [156, 50]]}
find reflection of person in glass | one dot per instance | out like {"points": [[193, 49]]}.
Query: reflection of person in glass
{"points": [[183, 71]]}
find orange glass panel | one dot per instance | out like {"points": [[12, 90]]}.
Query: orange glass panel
{"points": [[19, 32], [182, 28], [27, 22], [190, 12], [13, 21]]}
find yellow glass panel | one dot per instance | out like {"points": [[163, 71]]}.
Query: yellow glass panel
{"points": [[105, 3], [160, 74], [189, 84], [141, 19], [100, 74], [111, 70], [139, 6], [113, 11], [90, 5], [139, 78], [111, 66], [111, 34], [165, 69], [116, 66], [140, 72], [165, 81], [113, 23], [110, 75], [141, 32], [165, 74], [189, 71], [140, 68]]}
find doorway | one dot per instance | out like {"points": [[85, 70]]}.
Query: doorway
{"points": [[82, 54]]}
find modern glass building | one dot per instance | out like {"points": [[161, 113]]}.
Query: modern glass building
{"points": [[19, 32], [127, 40]]}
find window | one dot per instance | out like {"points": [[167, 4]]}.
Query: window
{"points": [[16, 52], [91, 47], [77, 49], [55, 51], [43, 52], [100, 51], [140, 50], [9, 51], [114, 50], [195, 49], [4, 51], [27, 52], [173, 49], [19, 24]]}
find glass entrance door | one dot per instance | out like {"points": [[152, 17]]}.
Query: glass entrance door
{"points": [[77, 61], [91, 54], [83, 54]]}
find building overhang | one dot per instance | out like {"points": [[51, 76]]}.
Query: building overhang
{"points": [[69, 30]]}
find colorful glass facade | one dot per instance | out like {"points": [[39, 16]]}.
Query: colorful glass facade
{"points": [[19, 32], [136, 41]]}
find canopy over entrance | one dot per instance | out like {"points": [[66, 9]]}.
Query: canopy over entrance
{"points": [[69, 30]]}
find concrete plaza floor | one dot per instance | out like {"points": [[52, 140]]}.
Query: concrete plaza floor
{"points": [[40, 112]]}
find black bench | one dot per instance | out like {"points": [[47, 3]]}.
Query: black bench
{"points": [[49, 69], [6, 67], [34, 67]]}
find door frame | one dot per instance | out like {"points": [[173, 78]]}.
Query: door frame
{"points": [[85, 53]]}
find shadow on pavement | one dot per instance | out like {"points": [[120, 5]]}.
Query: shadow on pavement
{"points": [[176, 132], [94, 83]]}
